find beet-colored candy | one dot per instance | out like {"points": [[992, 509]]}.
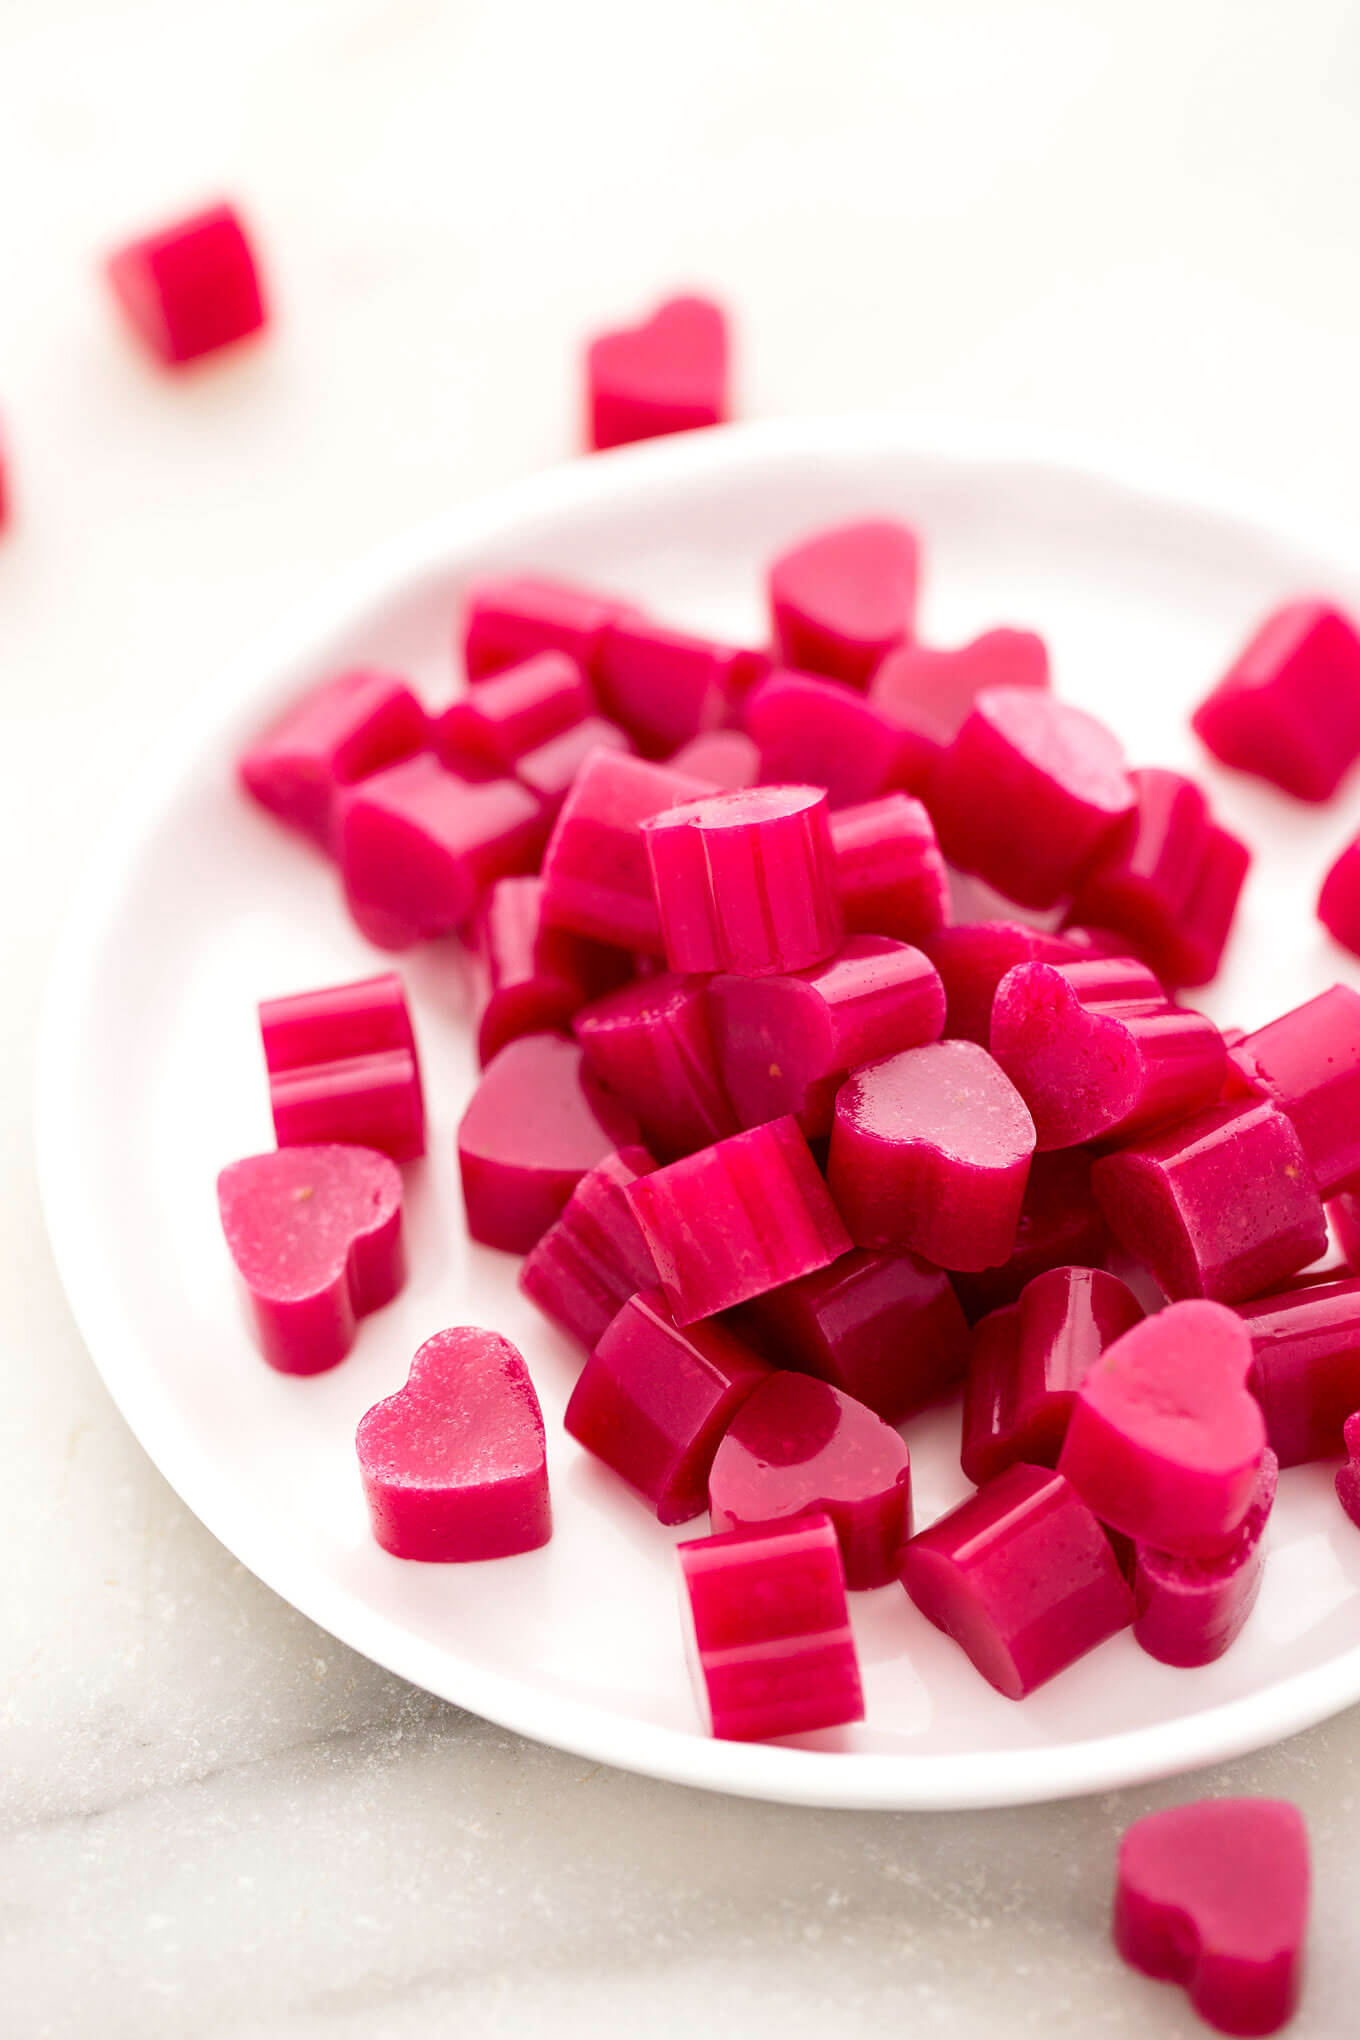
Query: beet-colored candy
{"points": [[737, 1219], [842, 598], [597, 880], [1308, 1063], [889, 871], [343, 1066], [1061, 1226], [1030, 794], [768, 1633], [1022, 1576], [815, 732], [332, 736], [508, 621], [653, 1401], [1305, 1370], [537, 975], [928, 692], [744, 881], [513, 711], [1222, 1205], [335, 1023], [453, 1464], [664, 686], [930, 1150], [6, 493], [1338, 906], [315, 1233], [1214, 1896], [667, 375], [786, 1044], [1288, 709], [587, 1265], [652, 1043], [972, 959], [536, 1122], [1348, 1476], [191, 287], [729, 758], [550, 771], [1190, 1609]]}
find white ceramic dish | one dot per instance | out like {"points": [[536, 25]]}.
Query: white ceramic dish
{"points": [[150, 1078]]}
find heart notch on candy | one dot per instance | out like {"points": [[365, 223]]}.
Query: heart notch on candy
{"points": [[667, 375]]}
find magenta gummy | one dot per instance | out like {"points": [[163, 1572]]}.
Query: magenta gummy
{"points": [[343, 1068], [1348, 1476], [191, 287], [928, 693], [768, 1634], [1030, 794], [335, 1023], [508, 621], [972, 959], [1220, 1205], [664, 686], [889, 871], [797, 1447], [744, 881], [454, 1466], [587, 1265], [667, 375], [597, 880], [930, 1150], [651, 1042], [1164, 1441], [537, 975], [785, 1044], [315, 1233], [1338, 906], [1214, 1896], [536, 1122], [727, 758], [653, 1401], [1189, 1610], [842, 598], [815, 732], [333, 736], [550, 771], [1308, 1063], [1288, 709], [1061, 1226], [513, 711], [736, 1219], [1022, 1576], [1305, 1370], [1028, 1361]]}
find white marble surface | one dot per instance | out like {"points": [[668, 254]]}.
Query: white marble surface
{"points": [[1132, 224]]}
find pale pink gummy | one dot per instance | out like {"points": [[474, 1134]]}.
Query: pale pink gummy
{"points": [[597, 880], [508, 621], [727, 758], [1348, 1476], [796, 1447], [1029, 1360], [1060, 1225], [1098, 1053], [785, 1044], [343, 1067], [817, 732], [653, 1401], [454, 1465], [651, 1042], [315, 1233], [736, 1219], [1308, 1063], [889, 871], [1214, 1896], [1030, 794], [664, 686], [928, 692], [972, 959], [1165, 1440], [331, 737], [1306, 1366], [1288, 708], [770, 1647], [550, 771], [587, 1265], [190, 287], [930, 1150], [536, 1122], [1190, 1610], [842, 598], [668, 374], [500, 718], [537, 975], [1021, 1576], [1338, 906], [1222, 1205], [744, 881]]}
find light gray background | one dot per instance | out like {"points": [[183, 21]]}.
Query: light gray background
{"points": [[1129, 225]]}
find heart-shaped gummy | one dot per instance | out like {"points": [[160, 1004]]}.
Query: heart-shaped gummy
{"points": [[315, 1233], [453, 1464], [928, 692], [1165, 1440], [798, 1446], [667, 375], [1214, 1896], [844, 597]]}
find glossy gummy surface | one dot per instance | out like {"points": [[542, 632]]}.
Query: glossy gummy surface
{"points": [[329, 738], [1308, 1063], [652, 1043], [343, 1066], [668, 374], [1305, 1370], [819, 732], [889, 871], [593, 1258], [513, 711], [507, 621], [928, 693], [973, 957], [1288, 709], [1190, 1610], [190, 288], [597, 880], [1061, 1226], [843, 597]]}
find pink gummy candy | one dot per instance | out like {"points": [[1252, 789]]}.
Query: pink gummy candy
{"points": [[1338, 906], [886, 1329], [1220, 1205], [1214, 1896], [744, 881], [1165, 1439], [536, 1122], [1097, 1052], [973, 958], [667, 375], [1030, 794], [1306, 1366], [767, 1631], [333, 736], [798, 1447], [889, 871], [587, 1265], [506, 622], [786, 1044], [550, 771], [1348, 1476], [315, 1233], [343, 1067], [1190, 1609], [816, 732], [6, 505], [597, 880], [1061, 1226], [1308, 1063], [653, 1401], [928, 692], [513, 711], [842, 598], [1029, 1360], [1288, 709], [729, 758], [1022, 1576], [930, 1150], [420, 847], [664, 686], [453, 1464], [652, 1043], [537, 975], [737, 1219], [191, 287]]}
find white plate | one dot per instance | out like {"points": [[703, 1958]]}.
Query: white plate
{"points": [[150, 1079]]}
